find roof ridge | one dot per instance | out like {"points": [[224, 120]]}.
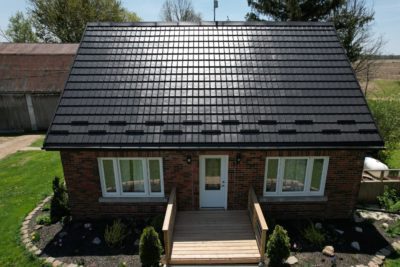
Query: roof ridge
{"points": [[210, 23]]}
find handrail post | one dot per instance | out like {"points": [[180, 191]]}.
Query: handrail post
{"points": [[168, 225]]}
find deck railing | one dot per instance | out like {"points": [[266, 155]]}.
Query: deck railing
{"points": [[258, 221], [383, 175], [168, 226]]}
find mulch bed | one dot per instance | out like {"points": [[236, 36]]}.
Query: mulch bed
{"points": [[372, 239], [73, 242]]}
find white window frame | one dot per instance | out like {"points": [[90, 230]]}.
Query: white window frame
{"points": [[118, 182], [307, 183]]}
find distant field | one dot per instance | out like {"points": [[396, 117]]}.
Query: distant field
{"points": [[384, 89], [388, 69]]}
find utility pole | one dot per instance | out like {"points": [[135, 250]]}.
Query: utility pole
{"points": [[215, 7]]}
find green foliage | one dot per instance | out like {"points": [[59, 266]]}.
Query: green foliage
{"points": [[394, 229], [390, 199], [385, 113], [314, 235], [46, 207], [115, 234], [59, 201], [65, 20], [43, 219], [157, 223], [20, 29], [35, 237], [25, 178], [122, 264], [150, 248], [278, 246]]}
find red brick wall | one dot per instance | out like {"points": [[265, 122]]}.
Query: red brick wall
{"points": [[343, 181]]}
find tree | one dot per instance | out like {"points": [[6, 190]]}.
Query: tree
{"points": [[278, 246], [150, 248], [65, 20], [20, 30], [179, 10], [292, 10]]}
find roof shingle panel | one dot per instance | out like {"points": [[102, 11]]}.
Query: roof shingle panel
{"points": [[211, 85]]}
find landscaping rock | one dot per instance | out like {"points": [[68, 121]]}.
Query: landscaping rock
{"points": [[396, 246], [385, 252], [62, 234], [38, 227], [291, 260], [355, 245], [96, 241], [357, 219], [385, 225], [87, 225], [318, 225], [378, 216], [358, 229], [372, 264], [341, 232], [137, 241], [377, 260], [328, 251]]}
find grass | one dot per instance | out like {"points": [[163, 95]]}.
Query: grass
{"points": [[394, 229], [25, 179], [385, 89], [38, 143], [393, 260]]}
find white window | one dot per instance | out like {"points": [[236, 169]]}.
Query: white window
{"points": [[295, 176], [124, 177]]}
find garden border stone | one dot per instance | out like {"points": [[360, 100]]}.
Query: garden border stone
{"points": [[26, 239]]}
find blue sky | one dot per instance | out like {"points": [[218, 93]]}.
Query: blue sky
{"points": [[387, 20]]}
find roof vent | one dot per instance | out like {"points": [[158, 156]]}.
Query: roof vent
{"points": [[367, 131], [287, 131], [79, 122], [331, 131], [117, 122], [249, 131], [97, 132], [216, 132], [172, 132], [346, 121], [267, 122], [230, 122], [134, 132], [154, 123], [303, 121], [59, 132], [192, 122]]}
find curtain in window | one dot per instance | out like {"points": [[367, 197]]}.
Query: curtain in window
{"points": [[132, 176], [294, 175]]}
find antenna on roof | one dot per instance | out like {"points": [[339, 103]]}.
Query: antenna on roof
{"points": [[215, 7]]}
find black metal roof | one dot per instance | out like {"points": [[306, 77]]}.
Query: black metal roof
{"points": [[210, 85]]}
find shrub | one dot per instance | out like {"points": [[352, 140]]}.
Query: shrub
{"points": [[35, 237], [150, 248], [278, 246], [389, 200], [314, 235], [43, 219], [46, 207], [59, 201], [394, 229], [115, 234]]}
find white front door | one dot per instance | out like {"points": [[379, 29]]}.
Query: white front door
{"points": [[213, 181]]}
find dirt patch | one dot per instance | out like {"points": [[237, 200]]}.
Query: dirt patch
{"points": [[10, 145]]}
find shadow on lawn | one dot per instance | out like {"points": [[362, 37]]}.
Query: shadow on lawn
{"points": [[370, 240]]}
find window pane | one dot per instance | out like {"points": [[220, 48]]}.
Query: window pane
{"points": [[272, 174], [294, 174], [109, 177], [132, 175], [316, 174], [155, 177], [213, 174]]}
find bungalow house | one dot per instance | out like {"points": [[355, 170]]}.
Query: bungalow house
{"points": [[212, 109]]}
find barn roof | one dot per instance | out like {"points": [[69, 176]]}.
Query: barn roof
{"points": [[35, 68], [211, 85]]}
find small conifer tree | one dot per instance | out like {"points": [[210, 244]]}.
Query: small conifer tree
{"points": [[278, 246], [150, 248], [59, 202]]}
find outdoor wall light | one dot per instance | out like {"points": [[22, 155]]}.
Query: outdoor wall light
{"points": [[189, 159], [238, 158]]}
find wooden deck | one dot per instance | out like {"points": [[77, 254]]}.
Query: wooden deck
{"points": [[214, 237]]}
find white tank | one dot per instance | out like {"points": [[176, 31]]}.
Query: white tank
{"points": [[374, 166]]}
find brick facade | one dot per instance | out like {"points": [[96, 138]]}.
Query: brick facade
{"points": [[342, 184]]}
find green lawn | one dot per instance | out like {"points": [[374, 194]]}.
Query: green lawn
{"points": [[393, 260], [385, 89], [39, 142], [25, 179]]}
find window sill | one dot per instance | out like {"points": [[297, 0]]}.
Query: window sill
{"points": [[274, 199], [133, 200]]}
